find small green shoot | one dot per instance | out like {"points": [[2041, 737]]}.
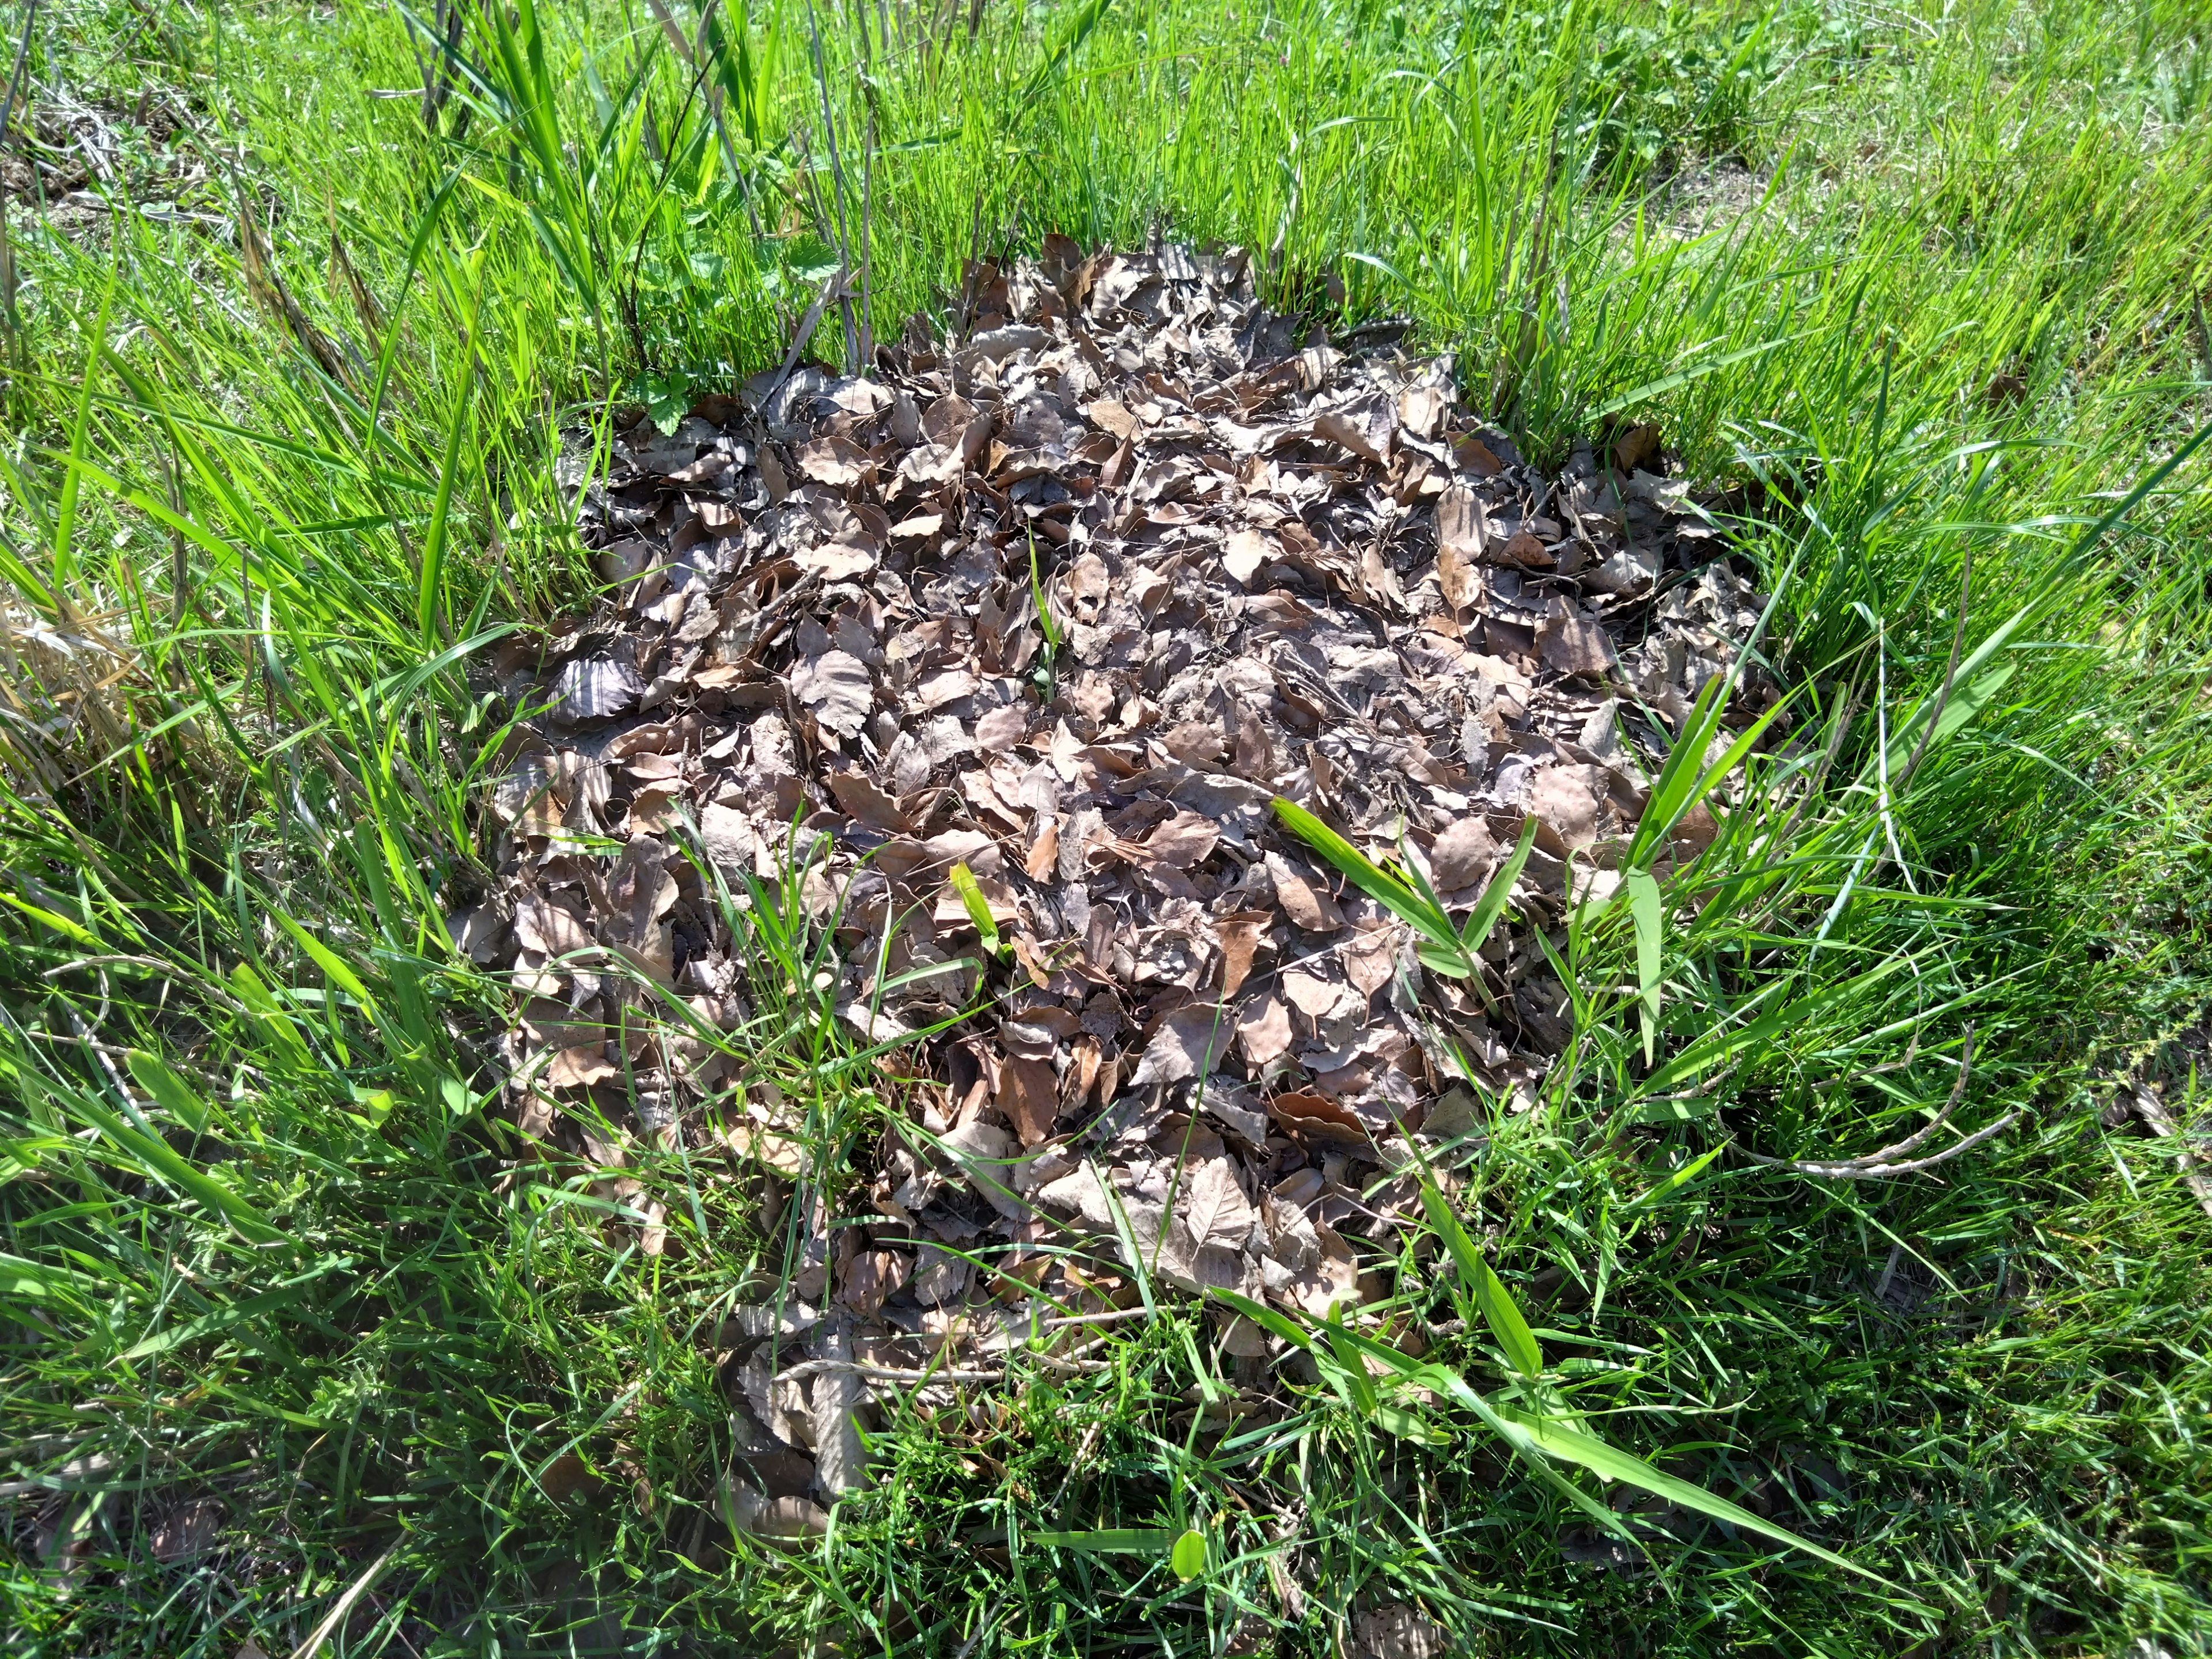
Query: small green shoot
{"points": [[1046, 674], [978, 907]]}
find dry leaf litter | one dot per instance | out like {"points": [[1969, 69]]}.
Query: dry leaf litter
{"points": [[1274, 568]]}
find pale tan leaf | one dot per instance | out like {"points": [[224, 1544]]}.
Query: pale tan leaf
{"points": [[1244, 554], [1263, 1030], [836, 686], [1216, 1211]]}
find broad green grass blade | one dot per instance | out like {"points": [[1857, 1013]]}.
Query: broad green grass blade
{"points": [[1611, 1464], [1499, 892], [1489, 1295], [1387, 890], [1155, 1542], [170, 1092], [245, 1313], [1647, 912], [156, 1156], [978, 907]]}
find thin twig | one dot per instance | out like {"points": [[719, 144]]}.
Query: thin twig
{"points": [[884, 1373], [1883, 1172], [1883, 797], [180, 567], [101, 1052], [1117, 1315], [1112, 1317], [1878, 1165], [16, 76], [14, 325]]}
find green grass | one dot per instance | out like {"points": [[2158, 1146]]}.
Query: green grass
{"points": [[1958, 313]]}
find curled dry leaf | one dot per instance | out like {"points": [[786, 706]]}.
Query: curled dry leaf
{"points": [[1240, 932], [781, 1520]]}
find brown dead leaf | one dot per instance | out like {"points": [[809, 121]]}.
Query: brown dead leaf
{"points": [[1240, 932], [1421, 409], [867, 804], [1109, 416], [1196, 742], [950, 686], [1001, 728], [1184, 840], [870, 1277], [1188, 1043], [782, 1520], [1244, 553], [835, 461], [836, 686], [187, 1531], [1572, 641], [1216, 1211], [1029, 1095], [1263, 1031], [1569, 798], [1397, 1632], [1369, 963], [1464, 854], [476, 934], [1475, 456], [1315, 995], [1341, 429], [599, 689], [1636, 448], [566, 1475], [1316, 1117], [838, 561], [580, 1067], [1305, 901], [1045, 852]]}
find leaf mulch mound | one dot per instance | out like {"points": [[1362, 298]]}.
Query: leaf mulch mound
{"points": [[1267, 565]]}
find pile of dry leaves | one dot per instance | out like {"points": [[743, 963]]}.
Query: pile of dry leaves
{"points": [[1068, 600]]}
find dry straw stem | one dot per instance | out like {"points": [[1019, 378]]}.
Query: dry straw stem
{"points": [[2153, 1111]]}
